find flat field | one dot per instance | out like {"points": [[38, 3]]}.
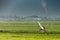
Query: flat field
{"points": [[29, 30]]}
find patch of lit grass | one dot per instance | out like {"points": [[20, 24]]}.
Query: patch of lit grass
{"points": [[13, 36]]}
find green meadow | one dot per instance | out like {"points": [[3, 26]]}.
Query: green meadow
{"points": [[29, 30]]}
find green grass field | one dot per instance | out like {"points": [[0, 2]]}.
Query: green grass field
{"points": [[29, 30], [27, 36]]}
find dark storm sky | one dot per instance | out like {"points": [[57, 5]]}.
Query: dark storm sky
{"points": [[29, 7]]}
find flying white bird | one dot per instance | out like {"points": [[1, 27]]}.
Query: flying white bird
{"points": [[42, 27]]}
